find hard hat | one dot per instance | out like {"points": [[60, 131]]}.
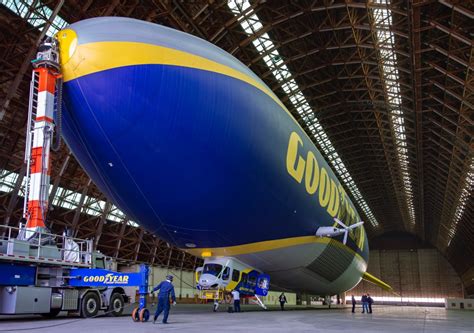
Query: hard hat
{"points": [[169, 277]]}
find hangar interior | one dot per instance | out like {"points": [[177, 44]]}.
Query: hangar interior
{"points": [[384, 88]]}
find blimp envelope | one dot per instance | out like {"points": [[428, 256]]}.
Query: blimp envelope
{"points": [[193, 146]]}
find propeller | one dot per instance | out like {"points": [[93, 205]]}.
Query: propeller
{"points": [[347, 228]]}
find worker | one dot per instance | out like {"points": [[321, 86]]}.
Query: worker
{"points": [[365, 304], [354, 302], [216, 305], [282, 299], [228, 300], [166, 290], [236, 296], [369, 302]]}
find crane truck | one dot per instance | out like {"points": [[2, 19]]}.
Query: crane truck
{"points": [[43, 273]]}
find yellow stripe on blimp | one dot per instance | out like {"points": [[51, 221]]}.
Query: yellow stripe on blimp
{"points": [[100, 56], [268, 246]]}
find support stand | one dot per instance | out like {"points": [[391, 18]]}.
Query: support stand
{"points": [[141, 313], [259, 302]]}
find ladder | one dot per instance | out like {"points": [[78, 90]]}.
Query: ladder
{"points": [[30, 125]]}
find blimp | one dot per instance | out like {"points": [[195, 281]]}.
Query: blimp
{"points": [[191, 144]]}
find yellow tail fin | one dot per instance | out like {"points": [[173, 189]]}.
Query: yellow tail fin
{"points": [[372, 279]]}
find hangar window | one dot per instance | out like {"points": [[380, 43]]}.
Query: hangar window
{"points": [[67, 199], [382, 16], [94, 207], [37, 14], [115, 214], [235, 275], [463, 200], [7, 181]]}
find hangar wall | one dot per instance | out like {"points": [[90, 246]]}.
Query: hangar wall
{"points": [[417, 273], [468, 282]]}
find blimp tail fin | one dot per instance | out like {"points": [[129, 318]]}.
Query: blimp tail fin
{"points": [[372, 279]]}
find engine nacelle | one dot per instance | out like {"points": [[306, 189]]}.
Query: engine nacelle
{"points": [[329, 231]]}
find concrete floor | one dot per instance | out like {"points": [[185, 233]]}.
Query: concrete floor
{"points": [[192, 318]]}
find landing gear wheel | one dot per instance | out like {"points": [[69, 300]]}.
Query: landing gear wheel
{"points": [[115, 308], [90, 305], [53, 313], [144, 315], [135, 315]]}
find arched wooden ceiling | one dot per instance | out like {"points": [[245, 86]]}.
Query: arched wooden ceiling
{"points": [[332, 51]]}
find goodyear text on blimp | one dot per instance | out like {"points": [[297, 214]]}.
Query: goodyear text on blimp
{"points": [[317, 182]]}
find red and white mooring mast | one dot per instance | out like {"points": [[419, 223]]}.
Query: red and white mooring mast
{"points": [[44, 101]]}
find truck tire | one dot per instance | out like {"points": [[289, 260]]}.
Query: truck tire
{"points": [[90, 305], [53, 313], [116, 305]]}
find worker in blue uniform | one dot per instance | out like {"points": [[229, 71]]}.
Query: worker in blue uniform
{"points": [[166, 291]]}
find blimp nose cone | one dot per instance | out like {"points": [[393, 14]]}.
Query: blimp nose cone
{"points": [[67, 40]]}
